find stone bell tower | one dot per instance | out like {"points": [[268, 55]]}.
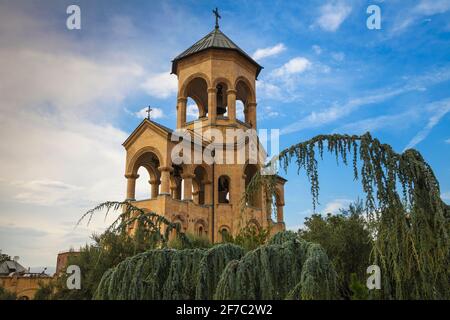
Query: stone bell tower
{"points": [[216, 73], [205, 198]]}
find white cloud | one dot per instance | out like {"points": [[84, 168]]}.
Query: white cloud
{"points": [[447, 141], [338, 111], [317, 49], [338, 56], [446, 195], [156, 113], [335, 205], [431, 7], [269, 51], [423, 9], [439, 109], [332, 15], [192, 111], [160, 85], [293, 66]]}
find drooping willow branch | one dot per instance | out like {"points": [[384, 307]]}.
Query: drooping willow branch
{"points": [[411, 222], [156, 227]]}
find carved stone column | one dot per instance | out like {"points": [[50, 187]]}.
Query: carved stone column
{"points": [[212, 104], [131, 186], [187, 177], [181, 112], [154, 188], [231, 102], [251, 109], [165, 179]]}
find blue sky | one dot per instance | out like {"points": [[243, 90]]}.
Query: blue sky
{"points": [[68, 99]]}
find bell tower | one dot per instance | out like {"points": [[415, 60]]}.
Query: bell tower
{"points": [[220, 78]]}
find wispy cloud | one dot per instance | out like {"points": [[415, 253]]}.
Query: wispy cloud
{"points": [[332, 15], [161, 85], [446, 195], [269, 51], [335, 205], [439, 109], [293, 66], [156, 113], [338, 111], [376, 123], [412, 14], [317, 49]]}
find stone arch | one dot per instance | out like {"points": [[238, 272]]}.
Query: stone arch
{"points": [[196, 87], [132, 164], [254, 223], [150, 159], [242, 83], [223, 189], [200, 177], [224, 229], [201, 227]]}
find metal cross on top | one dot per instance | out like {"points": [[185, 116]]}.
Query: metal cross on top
{"points": [[149, 110], [216, 13]]}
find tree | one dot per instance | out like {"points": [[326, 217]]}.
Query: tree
{"points": [[403, 205], [346, 240]]}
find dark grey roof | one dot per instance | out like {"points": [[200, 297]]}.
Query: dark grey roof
{"points": [[10, 266], [216, 39]]}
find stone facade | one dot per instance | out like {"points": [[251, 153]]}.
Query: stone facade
{"points": [[215, 78]]}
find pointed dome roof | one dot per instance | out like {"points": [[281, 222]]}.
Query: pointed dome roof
{"points": [[216, 39]]}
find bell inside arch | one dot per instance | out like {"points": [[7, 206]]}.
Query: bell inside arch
{"points": [[221, 106]]}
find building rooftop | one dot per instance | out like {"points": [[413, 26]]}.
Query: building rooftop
{"points": [[216, 39]]}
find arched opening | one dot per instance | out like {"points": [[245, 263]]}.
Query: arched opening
{"points": [[225, 233], [240, 115], [244, 96], [255, 198], [224, 189], [148, 181], [221, 99], [199, 184], [197, 94], [192, 110], [143, 188]]}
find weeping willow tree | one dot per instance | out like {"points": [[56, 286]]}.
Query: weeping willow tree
{"points": [[168, 274], [410, 221], [147, 227], [293, 269]]}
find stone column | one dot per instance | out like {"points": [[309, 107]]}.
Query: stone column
{"points": [[196, 196], [280, 214], [181, 112], [154, 188], [165, 179], [208, 192], [231, 103], [251, 109], [212, 105], [187, 177], [131, 186]]}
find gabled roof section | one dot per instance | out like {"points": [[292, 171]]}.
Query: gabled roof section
{"points": [[216, 39], [163, 130]]}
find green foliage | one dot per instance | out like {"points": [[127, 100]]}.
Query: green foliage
{"points": [[223, 272], [6, 295], [409, 220], [346, 240], [359, 289], [168, 274], [250, 237], [193, 241], [294, 269]]}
